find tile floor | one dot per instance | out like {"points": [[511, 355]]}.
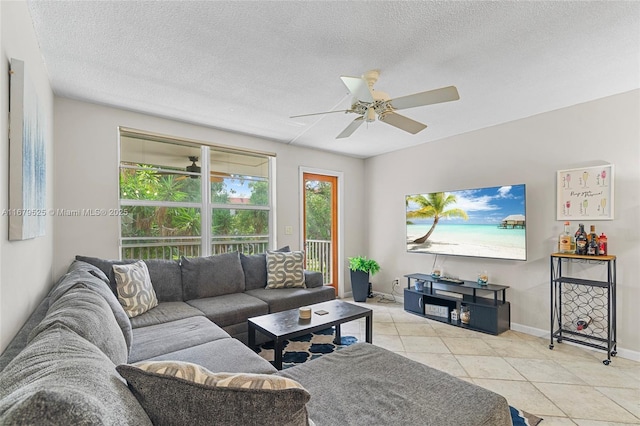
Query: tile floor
{"points": [[568, 385]]}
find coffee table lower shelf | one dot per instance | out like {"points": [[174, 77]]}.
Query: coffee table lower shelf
{"points": [[285, 325]]}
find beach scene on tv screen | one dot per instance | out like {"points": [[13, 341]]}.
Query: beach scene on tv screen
{"points": [[482, 222]]}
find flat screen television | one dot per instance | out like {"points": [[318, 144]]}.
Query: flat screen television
{"points": [[482, 222]]}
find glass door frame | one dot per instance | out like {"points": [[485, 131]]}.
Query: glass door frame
{"points": [[339, 262]]}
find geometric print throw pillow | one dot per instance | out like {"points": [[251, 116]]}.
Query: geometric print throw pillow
{"points": [[135, 291], [198, 374], [285, 269], [177, 392]]}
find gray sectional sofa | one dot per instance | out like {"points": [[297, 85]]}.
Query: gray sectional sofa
{"points": [[67, 364]]}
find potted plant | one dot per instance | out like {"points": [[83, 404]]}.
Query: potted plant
{"points": [[361, 268]]}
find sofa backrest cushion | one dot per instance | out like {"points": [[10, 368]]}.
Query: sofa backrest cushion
{"points": [[81, 272], [87, 314], [255, 270], [106, 266], [174, 392], [166, 278], [212, 276], [62, 379], [165, 275]]}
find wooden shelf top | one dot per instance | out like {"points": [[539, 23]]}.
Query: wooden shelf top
{"points": [[580, 256]]}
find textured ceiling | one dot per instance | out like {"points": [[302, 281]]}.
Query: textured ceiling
{"points": [[247, 66]]}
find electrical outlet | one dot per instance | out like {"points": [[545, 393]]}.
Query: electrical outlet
{"points": [[398, 280], [288, 230]]}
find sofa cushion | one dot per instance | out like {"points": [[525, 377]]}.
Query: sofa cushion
{"points": [[62, 379], [183, 393], [285, 270], [255, 270], [166, 277], [106, 266], [172, 336], [81, 272], [165, 312], [403, 391], [87, 314], [313, 279], [20, 340], [222, 355], [230, 308], [282, 299], [135, 291], [212, 276]]}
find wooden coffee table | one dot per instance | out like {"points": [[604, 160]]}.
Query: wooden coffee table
{"points": [[285, 325]]}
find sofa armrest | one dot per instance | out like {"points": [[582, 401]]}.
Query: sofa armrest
{"points": [[313, 279]]}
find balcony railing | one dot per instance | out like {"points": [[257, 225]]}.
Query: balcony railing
{"points": [[318, 252]]}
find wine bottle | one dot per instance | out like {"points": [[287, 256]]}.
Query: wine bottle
{"points": [[566, 242], [593, 248], [583, 323], [581, 240]]}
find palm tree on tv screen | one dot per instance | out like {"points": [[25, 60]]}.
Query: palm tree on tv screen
{"points": [[434, 206]]}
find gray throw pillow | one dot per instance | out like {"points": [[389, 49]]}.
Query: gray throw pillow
{"points": [[135, 291], [212, 276], [174, 392], [285, 270]]}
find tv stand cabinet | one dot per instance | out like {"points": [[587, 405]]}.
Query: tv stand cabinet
{"points": [[489, 311]]}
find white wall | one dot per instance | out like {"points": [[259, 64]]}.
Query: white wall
{"points": [[86, 176], [25, 266], [526, 151]]}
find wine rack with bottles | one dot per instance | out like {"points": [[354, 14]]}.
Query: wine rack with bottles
{"points": [[583, 311]]}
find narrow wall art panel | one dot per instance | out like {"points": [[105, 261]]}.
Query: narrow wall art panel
{"points": [[27, 158]]}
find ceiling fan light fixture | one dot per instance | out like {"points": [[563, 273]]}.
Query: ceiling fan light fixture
{"points": [[371, 115], [193, 168]]}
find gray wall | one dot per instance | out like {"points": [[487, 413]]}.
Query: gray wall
{"points": [[25, 266], [526, 151]]}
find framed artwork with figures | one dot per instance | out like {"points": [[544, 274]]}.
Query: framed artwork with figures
{"points": [[585, 193]]}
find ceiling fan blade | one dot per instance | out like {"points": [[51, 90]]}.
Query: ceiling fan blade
{"points": [[320, 113], [351, 128], [429, 97], [358, 88], [402, 122]]}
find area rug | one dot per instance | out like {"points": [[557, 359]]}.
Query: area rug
{"points": [[314, 345], [307, 347], [522, 418]]}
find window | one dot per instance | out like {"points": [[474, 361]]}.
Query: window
{"points": [[173, 211]]}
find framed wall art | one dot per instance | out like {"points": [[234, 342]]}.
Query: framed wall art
{"points": [[27, 158], [585, 193]]}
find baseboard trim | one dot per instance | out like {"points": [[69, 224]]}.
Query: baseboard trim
{"points": [[538, 332]]}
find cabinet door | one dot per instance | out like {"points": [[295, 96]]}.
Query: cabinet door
{"points": [[413, 302]]}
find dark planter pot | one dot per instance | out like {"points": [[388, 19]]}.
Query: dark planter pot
{"points": [[360, 285]]}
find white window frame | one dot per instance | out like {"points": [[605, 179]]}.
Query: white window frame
{"points": [[205, 205]]}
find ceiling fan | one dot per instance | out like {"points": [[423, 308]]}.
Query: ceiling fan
{"points": [[369, 104]]}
